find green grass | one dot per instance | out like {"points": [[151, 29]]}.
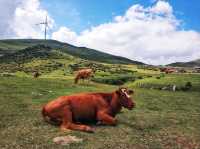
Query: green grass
{"points": [[172, 79], [161, 119]]}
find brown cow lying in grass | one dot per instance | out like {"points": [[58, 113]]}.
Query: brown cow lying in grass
{"points": [[83, 74], [100, 107]]}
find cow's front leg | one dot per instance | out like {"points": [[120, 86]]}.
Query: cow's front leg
{"points": [[81, 127], [104, 118]]}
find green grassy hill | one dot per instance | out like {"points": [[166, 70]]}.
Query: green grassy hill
{"points": [[13, 45], [162, 118], [195, 63]]}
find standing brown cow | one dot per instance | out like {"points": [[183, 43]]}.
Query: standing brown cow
{"points": [[100, 107], [83, 74], [170, 70]]}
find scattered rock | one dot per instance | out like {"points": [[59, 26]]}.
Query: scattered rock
{"points": [[66, 140], [174, 88], [164, 88]]}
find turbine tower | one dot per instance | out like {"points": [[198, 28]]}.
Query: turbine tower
{"points": [[45, 27]]}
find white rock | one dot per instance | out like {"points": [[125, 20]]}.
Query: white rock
{"points": [[66, 140]]}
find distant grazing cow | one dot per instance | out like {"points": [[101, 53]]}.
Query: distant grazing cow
{"points": [[36, 74], [163, 69], [170, 70], [83, 74], [99, 107]]}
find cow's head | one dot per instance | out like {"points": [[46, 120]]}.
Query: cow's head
{"points": [[125, 98]]}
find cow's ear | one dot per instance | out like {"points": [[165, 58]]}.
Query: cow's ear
{"points": [[118, 91], [130, 92]]}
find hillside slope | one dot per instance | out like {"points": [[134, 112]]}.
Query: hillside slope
{"points": [[195, 63], [13, 45]]}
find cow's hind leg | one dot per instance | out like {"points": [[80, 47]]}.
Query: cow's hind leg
{"points": [[67, 122]]}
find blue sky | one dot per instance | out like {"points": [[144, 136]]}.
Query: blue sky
{"points": [[152, 31], [79, 15]]}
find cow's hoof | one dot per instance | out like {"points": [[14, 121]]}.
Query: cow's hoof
{"points": [[65, 129], [99, 123], [90, 129]]}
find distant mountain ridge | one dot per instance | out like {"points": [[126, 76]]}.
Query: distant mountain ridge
{"points": [[11, 46], [194, 63]]}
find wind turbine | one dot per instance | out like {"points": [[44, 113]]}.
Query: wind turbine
{"points": [[46, 26]]}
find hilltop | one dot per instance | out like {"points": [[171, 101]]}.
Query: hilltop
{"points": [[12, 46], [53, 58], [194, 63]]}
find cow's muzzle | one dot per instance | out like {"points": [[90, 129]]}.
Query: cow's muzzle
{"points": [[131, 106]]}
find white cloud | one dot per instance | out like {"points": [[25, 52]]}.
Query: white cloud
{"points": [[27, 15], [65, 34], [7, 9], [21, 17], [150, 34], [162, 7]]}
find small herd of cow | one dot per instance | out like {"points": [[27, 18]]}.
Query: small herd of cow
{"points": [[70, 111], [168, 70]]}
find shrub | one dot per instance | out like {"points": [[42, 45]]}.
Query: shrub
{"points": [[140, 77], [149, 76], [187, 86], [114, 80]]}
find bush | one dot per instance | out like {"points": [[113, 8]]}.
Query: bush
{"points": [[140, 77], [187, 86], [149, 76], [114, 80]]}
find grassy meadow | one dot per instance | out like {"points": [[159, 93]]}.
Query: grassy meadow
{"points": [[162, 119]]}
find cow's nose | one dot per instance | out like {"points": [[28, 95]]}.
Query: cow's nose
{"points": [[131, 106]]}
